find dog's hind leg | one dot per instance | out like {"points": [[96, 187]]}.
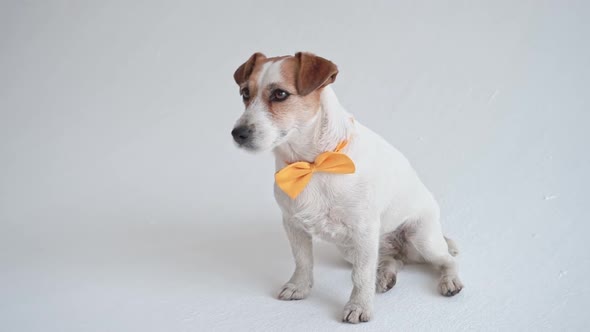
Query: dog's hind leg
{"points": [[427, 244], [392, 255], [387, 273]]}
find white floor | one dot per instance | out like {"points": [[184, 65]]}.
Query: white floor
{"points": [[124, 205]]}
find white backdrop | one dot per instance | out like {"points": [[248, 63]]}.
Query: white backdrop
{"points": [[124, 205]]}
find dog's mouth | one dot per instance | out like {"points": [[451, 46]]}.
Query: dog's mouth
{"points": [[248, 146]]}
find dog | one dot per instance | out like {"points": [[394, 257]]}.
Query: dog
{"points": [[376, 211]]}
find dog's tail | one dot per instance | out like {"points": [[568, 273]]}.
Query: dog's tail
{"points": [[453, 249]]}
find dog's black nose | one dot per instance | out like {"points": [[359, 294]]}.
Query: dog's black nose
{"points": [[241, 134]]}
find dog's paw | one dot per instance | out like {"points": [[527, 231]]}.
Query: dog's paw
{"points": [[356, 313], [292, 291], [385, 280], [450, 285]]}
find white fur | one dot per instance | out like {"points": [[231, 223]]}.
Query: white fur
{"points": [[355, 211]]}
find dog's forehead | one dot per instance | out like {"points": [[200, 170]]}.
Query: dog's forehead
{"points": [[270, 73], [275, 70]]}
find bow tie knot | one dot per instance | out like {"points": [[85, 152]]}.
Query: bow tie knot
{"points": [[293, 178]]}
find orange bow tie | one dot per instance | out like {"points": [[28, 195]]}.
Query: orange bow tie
{"points": [[293, 178]]}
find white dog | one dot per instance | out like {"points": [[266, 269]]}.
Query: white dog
{"points": [[377, 211]]}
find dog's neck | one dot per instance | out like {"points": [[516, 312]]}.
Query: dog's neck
{"points": [[331, 125]]}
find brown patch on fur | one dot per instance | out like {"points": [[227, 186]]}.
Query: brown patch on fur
{"points": [[242, 74], [247, 74], [314, 72]]}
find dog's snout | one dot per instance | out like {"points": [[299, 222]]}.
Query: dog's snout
{"points": [[241, 134]]}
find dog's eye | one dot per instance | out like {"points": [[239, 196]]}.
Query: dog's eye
{"points": [[279, 95], [245, 92]]}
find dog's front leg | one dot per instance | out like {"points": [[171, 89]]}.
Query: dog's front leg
{"points": [[364, 266], [299, 286]]}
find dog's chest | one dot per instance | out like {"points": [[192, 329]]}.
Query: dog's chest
{"points": [[329, 224], [319, 212]]}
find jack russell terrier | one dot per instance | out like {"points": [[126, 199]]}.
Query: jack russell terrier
{"points": [[339, 181]]}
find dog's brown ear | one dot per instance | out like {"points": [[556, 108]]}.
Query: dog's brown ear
{"points": [[243, 72], [314, 72]]}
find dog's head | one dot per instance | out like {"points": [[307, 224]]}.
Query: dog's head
{"points": [[280, 95]]}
